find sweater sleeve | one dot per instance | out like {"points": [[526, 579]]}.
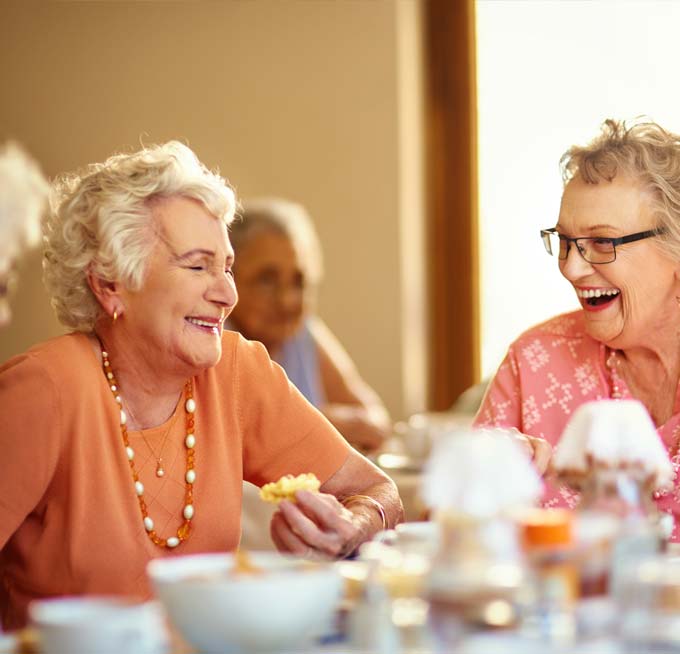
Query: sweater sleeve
{"points": [[283, 432], [502, 403], [29, 439]]}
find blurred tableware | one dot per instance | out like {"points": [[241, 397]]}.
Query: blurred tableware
{"points": [[218, 610], [391, 614], [549, 611], [595, 533], [419, 433], [472, 481], [98, 625], [401, 573], [8, 643], [354, 574], [390, 461], [479, 474], [478, 571], [649, 606], [419, 536], [612, 435]]}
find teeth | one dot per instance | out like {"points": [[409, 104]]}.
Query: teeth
{"points": [[202, 323], [599, 292]]}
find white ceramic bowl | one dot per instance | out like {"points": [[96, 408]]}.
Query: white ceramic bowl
{"points": [[105, 625], [217, 610]]}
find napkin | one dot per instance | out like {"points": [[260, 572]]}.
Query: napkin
{"points": [[615, 434], [480, 474]]}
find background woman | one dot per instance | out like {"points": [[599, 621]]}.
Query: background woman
{"points": [[278, 269], [23, 195], [129, 438], [617, 242]]}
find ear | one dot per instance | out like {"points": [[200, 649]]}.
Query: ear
{"points": [[107, 293]]}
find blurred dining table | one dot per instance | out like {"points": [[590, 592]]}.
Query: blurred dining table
{"points": [[404, 455]]}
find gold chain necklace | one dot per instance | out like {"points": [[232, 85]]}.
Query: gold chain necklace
{"points": [[184, 530], [160, 470]]}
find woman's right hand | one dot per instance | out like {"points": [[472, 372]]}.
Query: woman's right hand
{"points": [[538, 449]]}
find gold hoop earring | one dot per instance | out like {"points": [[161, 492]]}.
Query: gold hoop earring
{"points": [[115, 315]]}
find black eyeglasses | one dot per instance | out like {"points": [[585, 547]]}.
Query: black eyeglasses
{"points": [[597, 249]]}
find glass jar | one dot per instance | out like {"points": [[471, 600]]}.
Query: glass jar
{"points": [[618, 525], [549, 609], [477, 574]]}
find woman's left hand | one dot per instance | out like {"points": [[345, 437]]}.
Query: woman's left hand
{"points": [[316, 526]]}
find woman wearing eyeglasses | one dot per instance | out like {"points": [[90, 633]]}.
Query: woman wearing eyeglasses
{"points": [[617, 242]]}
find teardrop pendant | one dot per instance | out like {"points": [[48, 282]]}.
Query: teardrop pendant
{"points": [[159, 469]]}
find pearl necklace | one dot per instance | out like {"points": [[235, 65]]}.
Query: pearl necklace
{"points": [[184, 530]]}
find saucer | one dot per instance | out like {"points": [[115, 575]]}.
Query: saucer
{"points": [[400, 462]]}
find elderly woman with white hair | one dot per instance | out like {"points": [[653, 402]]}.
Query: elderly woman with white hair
{"points": [[278, 269], [23, 195], [129, 438]]}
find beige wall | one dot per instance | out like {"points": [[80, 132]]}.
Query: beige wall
{"points": [[287, 97]]}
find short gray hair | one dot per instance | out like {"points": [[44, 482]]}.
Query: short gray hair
{"points": [[101, 221], [282, 217], [643, 151]]}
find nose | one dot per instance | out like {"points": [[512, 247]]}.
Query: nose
{"points": [[223, 291], [290, 297], [575, 266]]}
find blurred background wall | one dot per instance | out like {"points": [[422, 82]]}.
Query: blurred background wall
{"points": [[317, 101]]}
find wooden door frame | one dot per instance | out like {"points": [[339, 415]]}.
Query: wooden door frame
{"points": [[452, 199]]}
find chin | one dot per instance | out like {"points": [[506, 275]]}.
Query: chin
{"points": [[203, 360], [613, 339]]}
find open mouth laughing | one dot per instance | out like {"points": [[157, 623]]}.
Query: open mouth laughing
{"points": [[207, 325], [594, 299]]}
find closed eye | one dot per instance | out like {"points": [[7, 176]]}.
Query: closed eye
{"points": [[602, 244]]}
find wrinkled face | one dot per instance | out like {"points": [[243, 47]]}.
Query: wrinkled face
{"points": [[637, 291], [188, 290], [272, 289]]}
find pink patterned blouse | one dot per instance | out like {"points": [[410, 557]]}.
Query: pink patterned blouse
{"points": [[547, 373]]}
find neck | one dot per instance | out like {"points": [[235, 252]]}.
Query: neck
{"points": [[652, 376], [653, 362], [149, 394]]}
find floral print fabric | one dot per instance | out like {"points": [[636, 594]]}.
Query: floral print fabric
{"points": [[547, 373]]}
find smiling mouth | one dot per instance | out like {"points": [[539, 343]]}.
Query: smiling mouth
{"points": [[211, 326], [597, 297]]}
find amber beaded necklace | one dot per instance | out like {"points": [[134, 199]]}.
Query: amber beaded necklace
{"points": [[184, 530]]}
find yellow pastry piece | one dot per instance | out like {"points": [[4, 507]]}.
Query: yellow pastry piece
{"points": [[285, 488]]}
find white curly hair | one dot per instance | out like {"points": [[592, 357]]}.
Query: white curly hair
{"points": [[101, 221]]}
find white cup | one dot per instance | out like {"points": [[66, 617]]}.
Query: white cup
{"points": [[414, 436], [98, 625], [423, 537]]}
